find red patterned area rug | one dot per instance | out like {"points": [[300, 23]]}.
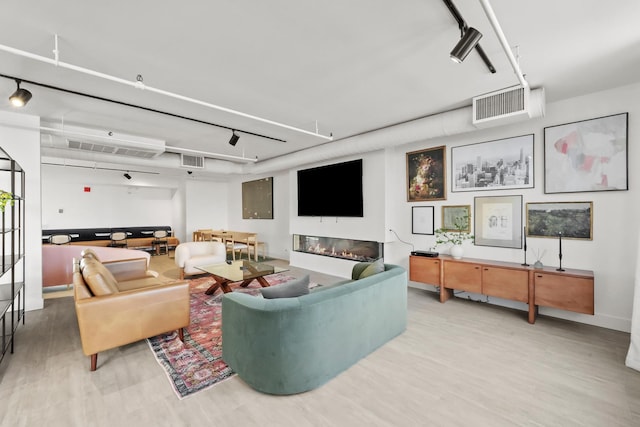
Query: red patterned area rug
{"points": [[197, 364]]}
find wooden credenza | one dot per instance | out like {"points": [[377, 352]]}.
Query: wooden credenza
{"points": [[570, 290]]}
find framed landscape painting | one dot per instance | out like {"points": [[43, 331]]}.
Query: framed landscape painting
{"points": [[426, 175], [573, 219], [495, 165], [589, 155], [453, 216], [498, 221]]}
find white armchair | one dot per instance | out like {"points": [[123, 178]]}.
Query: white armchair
{"points": [[192, 254]]}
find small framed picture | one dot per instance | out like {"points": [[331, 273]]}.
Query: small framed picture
{"points": [[422, 220], [573, 219], [426, 175], [590, 155], [498, 221], [453, 217]]}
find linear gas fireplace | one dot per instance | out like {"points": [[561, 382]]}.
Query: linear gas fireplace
{"points": [[356, 250]]}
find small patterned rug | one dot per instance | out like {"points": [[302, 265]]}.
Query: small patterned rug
{"points": [[197, 364]]}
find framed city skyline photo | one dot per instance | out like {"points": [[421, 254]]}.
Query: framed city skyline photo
{"points": [[452, 215], [426, 175], [588, 155], [422, 221], [573, 219], [498, 221], [494, 165]]}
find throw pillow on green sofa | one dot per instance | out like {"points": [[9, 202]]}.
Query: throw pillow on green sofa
{"points": [[357, 269], [291, 289], [374, 268]]}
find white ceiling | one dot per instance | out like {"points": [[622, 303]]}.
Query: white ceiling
{"points": [[352, 66]]}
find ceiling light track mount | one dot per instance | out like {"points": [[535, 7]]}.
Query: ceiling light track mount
{"points": [[139, 85], [21, 96], [469, 39]]}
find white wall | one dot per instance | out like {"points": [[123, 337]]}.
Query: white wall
{"points": [[20, 138], [206, 206], [113, 201], [611, 254]]}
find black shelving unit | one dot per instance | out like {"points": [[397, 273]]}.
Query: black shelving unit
{"points": [[12, 268]]}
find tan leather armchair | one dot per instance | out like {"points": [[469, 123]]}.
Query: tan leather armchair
{"points": [[120, 302]]}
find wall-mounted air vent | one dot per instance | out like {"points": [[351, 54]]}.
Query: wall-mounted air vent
{"points": [[187, 161], [110, 149], [102, 141], [506, 104]]}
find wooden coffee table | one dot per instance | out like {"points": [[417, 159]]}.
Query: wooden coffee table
{"points": [[238, 271]]}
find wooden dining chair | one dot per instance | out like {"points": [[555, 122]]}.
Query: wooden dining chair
{"points": [[254, 245], [237, 242]]}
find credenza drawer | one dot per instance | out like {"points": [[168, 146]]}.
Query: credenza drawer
{"points": [[463, 276], [424, 270], [565, 293], [505, 283]]}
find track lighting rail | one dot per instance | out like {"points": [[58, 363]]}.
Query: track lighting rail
{"points": [[140, 107], [138, 84]]}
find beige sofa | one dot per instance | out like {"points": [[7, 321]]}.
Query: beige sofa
{"points": [[120, 302], [57, 260], [190, 255]]}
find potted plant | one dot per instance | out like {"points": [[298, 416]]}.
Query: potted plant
{"points": [[5, 197], [456, 237]]}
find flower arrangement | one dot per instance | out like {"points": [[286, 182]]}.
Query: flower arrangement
{"points": [[457, 236], [5, 197]]}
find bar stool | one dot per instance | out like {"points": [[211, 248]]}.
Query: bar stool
{"points": [[160, 241], [118, 239]]}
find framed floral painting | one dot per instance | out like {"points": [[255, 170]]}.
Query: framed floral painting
{"points": [[426, 171]]}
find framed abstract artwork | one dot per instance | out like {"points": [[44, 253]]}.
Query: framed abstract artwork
{"points": [[426, 175], [257, 199], [422, 221], [498, 221], [495, 165], [456, 215], [573, 219], [589, 155]]}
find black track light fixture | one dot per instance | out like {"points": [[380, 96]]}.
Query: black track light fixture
{"points": [[234, 139], [126, 175], [20, 97], [469, 40]]}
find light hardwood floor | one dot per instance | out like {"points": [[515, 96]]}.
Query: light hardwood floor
{"points": [[461, 363]]}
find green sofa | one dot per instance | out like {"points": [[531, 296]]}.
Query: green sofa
{"points": [[291, 345]]}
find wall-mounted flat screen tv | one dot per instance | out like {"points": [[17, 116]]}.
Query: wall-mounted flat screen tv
{"points": [[332, 190]]}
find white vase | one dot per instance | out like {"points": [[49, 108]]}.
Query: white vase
{"points": [[456, 251]]}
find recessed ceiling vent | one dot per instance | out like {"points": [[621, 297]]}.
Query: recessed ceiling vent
{"points": [[510, 104], [110, 149], [187, 161], [102, 141]]}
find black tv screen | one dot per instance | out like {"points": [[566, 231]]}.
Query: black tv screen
{"points": [[332, 190]]}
